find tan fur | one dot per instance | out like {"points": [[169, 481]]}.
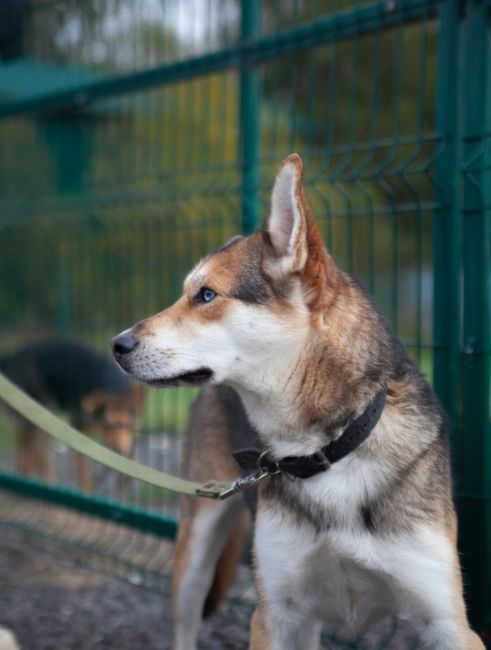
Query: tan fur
{"points": [[181, 555], [119, 411], [33, 453], [473, 640], [83, 472], [228, 536], [228, 562], [117, 418], [259, 636]]}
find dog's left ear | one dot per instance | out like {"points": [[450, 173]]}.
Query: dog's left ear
{"points": [[287, 223], [296, 238]]}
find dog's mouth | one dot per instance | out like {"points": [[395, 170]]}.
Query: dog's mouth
{"points": [[191, 378]]}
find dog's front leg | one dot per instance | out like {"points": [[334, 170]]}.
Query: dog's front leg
{"points": [[270, 631], [202, 538], [259, 636], [425, 567], [285, 617]]}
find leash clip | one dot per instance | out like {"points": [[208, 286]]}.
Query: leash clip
{"points": [[265, 467], [220, 491], [244, 483]]}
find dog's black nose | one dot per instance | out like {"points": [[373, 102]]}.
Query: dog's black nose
{"points": [[124, 343]]}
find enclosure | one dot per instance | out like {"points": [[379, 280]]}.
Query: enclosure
{"points": [[136, 135]]}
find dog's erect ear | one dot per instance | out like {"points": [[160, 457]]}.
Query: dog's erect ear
{"points": [[287, 224], [296, 238]]}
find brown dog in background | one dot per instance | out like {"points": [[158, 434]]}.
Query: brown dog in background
{"points": [[87, 386]]}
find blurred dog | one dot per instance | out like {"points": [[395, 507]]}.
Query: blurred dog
{"points": [[355, 519], [87, 386]]}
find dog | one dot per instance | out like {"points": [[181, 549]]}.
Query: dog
{"points": [[355, 518], [86, 385]]}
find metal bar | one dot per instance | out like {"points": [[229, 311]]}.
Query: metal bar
{"points": [[475, 515], [343, 25], [103, 508], [446, 230], [249, 119]]}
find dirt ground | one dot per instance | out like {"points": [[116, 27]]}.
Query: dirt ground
{"points": [[52, 599], [52, 602]]}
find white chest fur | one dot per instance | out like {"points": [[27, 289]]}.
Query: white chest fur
{"points": [[346, 574], [331, 574], [318, 575]]}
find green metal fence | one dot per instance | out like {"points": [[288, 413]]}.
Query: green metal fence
{"points": [[136, 135]]}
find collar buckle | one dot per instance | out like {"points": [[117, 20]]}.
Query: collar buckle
{"points": [[267, 465]]}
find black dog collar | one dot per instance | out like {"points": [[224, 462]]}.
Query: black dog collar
{"points": [[307, 466]]}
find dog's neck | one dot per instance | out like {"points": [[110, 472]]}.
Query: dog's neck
{"points": [[279, 427], [301, 397], [295, 408], [306, 466]]}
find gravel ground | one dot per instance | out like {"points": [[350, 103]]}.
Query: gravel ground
{"points": [[52, 602]]}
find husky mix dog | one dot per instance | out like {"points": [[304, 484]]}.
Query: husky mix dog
{"points": [[355, 519]]}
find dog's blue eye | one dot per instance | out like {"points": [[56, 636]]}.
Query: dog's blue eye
{"points": [[205, 295]]}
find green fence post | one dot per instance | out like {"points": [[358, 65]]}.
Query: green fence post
{"points": [[249, 118], [475, 480], [446, 230]]}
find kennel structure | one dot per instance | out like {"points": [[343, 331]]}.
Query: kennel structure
{"points": [[137, 135]]}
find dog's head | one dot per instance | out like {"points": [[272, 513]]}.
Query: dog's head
{"points": [[246, 308], [116, 416]]}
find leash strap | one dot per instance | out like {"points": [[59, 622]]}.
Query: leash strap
{"points": [[307, 466], [45, 420]]}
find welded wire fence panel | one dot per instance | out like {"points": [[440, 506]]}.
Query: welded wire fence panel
{"points": [[138, 135], [121, 197], [369, 160]]}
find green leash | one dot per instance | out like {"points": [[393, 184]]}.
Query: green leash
{"points": [[45, 420]]}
